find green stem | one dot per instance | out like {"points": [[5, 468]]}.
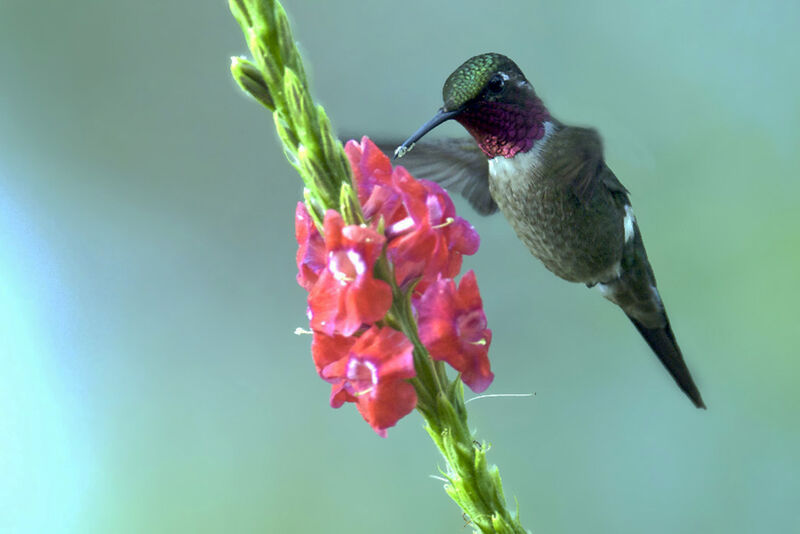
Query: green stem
{"points": [[473, 484], [276, 78]]}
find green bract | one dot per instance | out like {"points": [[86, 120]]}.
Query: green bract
{"points": [[277, 79]]}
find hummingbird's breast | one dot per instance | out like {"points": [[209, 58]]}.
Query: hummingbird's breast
{"points": [[579, 241]]}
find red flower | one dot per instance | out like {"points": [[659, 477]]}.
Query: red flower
{"points": [[347, 295], [452, 326], [370, 166], [424, 241], [371, 371], [310, 250], [372, 172], [431, 240], [327, 349], [425, 237]]}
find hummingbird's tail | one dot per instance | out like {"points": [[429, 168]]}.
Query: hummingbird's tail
{"points": [[634, 290], [663, 343]]}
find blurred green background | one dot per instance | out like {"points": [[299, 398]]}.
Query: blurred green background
{"points": [[150, 380]]}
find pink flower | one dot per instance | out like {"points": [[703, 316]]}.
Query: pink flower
{"points": [[372, 172], [424, 241], [370, 166], [425, 238], [310, 249], [431, 239], [452, 326], [371, 371], [347, 295]]}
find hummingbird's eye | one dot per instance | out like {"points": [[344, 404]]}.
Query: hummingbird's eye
{"points": [[496, 83]]}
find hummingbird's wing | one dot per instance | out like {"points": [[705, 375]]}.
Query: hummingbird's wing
{"points": [[585, 170], [459, 165]]}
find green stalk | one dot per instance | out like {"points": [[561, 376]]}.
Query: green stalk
{"points": [[276, 79]]}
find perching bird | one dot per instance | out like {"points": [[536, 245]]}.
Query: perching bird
{"points": [[551, 182]]}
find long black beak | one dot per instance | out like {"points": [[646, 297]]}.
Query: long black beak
{"points": [[440, 117]]}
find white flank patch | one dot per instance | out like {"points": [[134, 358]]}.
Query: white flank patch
{"points": [[503, 168], [655, 294], [614, 272], [628, 223], [604, 289]]}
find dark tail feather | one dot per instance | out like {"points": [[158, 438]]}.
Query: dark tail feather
{"points": [[663, 343]]}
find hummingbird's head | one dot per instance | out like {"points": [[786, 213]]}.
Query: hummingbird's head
{"points": [[491, 98]]}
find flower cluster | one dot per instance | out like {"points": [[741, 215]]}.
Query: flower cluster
{"points": [[413, 225]]}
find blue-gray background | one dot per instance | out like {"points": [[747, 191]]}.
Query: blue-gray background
{"points": [[150, 380]]}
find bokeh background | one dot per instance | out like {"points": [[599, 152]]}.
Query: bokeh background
{"points": [[150, 379]]}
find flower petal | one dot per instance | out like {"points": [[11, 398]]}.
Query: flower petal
{"points": [[371, 372], [310, 250], [347, 295], [452, 326]]}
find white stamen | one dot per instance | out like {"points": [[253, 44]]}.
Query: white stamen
{"points": [[495, 395], [357, 261], [447, 221], [401, 226]]}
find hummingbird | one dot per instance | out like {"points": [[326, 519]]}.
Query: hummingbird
{"points": [[551, 182]]}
